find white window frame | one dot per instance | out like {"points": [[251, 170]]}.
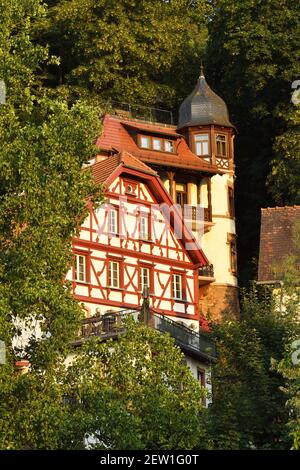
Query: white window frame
{"points": [[113, 221], [177, 285], [169, 146], [114, 274], [201, 140], [145, 138], [144, 270], [80, 268], [144, 233]]}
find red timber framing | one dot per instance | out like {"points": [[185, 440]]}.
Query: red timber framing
{"points": [[122, 255]]}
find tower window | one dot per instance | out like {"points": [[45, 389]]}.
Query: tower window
{"points": [[181, 194], [201, 144], [221, 145], [230, 201], [232, 252]]}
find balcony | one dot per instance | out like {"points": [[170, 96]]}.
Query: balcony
{"points": [[108, 325], [111, 325], [143, 113], [195, 344], [197, 217], [206, 274]]}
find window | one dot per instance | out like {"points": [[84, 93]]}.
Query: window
{"points": [[114, 274], [230, 201], [144, 278], [145, 142], [80, 268], [144, 227], [156, 144], [181, 194], [113, 221], [201, 144], [221, 145], [233, 253], [169, 146], [177, 287]]}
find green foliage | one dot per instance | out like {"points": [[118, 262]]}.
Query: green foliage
{"points": [[248, 409], [253, 58], [284, 179], [128, 50], [134, 393]]}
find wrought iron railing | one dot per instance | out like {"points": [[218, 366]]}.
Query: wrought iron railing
{"points": [[144, 113], [207, 270], [185, 337]]}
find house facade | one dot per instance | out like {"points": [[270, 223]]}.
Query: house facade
{"points": [[166, 231]]}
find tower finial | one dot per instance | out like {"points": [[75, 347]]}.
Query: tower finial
{"points": [[201, 70]]}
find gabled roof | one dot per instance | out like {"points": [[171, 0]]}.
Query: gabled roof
{"points": [[103, 169], [118, 133], [106, 171], [276, 238]]}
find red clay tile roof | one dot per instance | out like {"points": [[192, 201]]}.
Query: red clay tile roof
{"points": [[103, 169], [116, 135], [275, 238]]}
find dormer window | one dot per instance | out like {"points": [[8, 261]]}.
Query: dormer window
{"points": [[169, 146], [221, 145], [156, 143], [145, 142], [201, 144], [159, 144]]}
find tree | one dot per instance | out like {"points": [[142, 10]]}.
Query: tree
{"points": [[284, 179], [253, 58], [134, 393], [128, 50], [248, 408]]}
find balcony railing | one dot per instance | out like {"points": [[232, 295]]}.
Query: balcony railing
{"points": [[207, 270], [195, 214], [144, 113], [187, 339], [111, 325]]}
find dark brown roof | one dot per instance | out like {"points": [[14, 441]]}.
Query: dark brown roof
{"points": [[103, 169], [276, 238]]}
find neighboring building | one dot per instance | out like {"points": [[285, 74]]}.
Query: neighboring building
{"points": [[276, 239], [195, 162], [277, 242]]}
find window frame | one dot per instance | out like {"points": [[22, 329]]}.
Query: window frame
{"points": [[231, 241], [222, 143], [231, 206], [150, 278], [151, 139], [113, 209], [198, 134], [86, 256], [145, 216], [183, 193], [110, 274], [182, 287]]}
